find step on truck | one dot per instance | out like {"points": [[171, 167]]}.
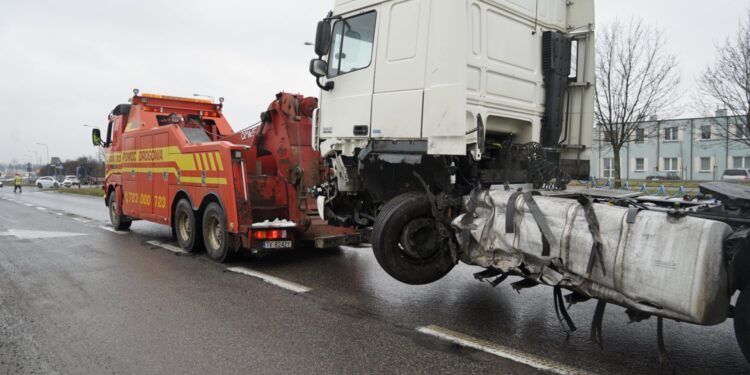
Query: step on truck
{"points": [[433, 113], [176, 161]]}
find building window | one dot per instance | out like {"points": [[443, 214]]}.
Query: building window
{"points": [[705, 132], [742, 131], [607, 136], [741, 162], [640, 165], [640, 135], [608, 167], [670, 165], [705, 165], [670, 134]]}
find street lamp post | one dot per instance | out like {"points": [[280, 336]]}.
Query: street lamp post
{"points": [[46, 146], [36, 159]]}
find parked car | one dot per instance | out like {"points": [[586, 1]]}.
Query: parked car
{"points": [[669, 176], [1, 184], [71, 181], [47, 182], [736, 174]]}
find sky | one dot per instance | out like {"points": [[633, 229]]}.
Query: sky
{"points": [[66, 64]]}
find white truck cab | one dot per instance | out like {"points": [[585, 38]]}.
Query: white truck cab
{"points": [[425, 69], [440, 97]]}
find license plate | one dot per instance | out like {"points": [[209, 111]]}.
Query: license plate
{"points": [[277, 244]]}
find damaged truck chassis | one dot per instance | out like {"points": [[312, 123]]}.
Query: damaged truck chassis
{"points": [[431, 110], [681, 259]]}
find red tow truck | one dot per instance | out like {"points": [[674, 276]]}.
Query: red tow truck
{"points": [[176, 161]]}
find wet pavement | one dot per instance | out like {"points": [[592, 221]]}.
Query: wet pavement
{"points": [[87, 300]]}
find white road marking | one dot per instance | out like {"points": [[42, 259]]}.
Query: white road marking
{"points": [[41, 208], [110, 229], [288, 285], [37, 234], [28, 205], [78, 219], [167, 247], [500, 351], [59, 214]]}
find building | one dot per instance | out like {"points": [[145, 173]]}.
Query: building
{"points": [[696, 149]]}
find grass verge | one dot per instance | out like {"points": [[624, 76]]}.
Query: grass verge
{"points": [[92, 192]]}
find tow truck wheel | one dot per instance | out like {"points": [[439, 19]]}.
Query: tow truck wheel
{"points": [[188, 233], [118, 220], [742, 322], [406, 243], [215, 234]]}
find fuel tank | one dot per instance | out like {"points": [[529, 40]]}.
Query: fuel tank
{"points": [[652, 262]]}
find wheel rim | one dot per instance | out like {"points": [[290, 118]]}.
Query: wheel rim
{"points": [[214, 233], [183, 225], [113, 211], [419, 240]]}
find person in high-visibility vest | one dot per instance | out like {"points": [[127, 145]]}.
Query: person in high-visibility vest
{"points": [[17, 184]]}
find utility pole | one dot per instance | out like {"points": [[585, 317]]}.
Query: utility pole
{"points": [[36, 160], [46, 146]]}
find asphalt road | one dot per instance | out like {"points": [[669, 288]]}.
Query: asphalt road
{"points": [[86, 300]]}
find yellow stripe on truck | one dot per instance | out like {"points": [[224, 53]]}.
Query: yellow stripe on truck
{"points": [[218, 161], [198, 161], [205, 161], [173, 171], [211, 160]]}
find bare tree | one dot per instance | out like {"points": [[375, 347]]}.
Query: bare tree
{"points": [[726, 83], [635, 78]]}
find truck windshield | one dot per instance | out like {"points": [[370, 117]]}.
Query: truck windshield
{"points": [[351, 48]]}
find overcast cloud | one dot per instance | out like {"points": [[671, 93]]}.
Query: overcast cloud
{"points": [[64, 64]]}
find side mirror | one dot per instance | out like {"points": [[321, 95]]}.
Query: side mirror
{"points": [[96, 137], [323, 38], [318, 68]]}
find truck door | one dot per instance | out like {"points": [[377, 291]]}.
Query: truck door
{"points": [[400, 61], [347, 109], [146, 175], [162, 172], [130, 203]]}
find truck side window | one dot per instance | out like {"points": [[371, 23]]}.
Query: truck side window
{"points": [[352, 45]]}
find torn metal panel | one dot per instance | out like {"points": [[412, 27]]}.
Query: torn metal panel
{"points": [[671, 267]]}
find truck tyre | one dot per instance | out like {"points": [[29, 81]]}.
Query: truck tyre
{"points": [[742, 321], [215, 236], [406, 244], [186, 227], [118, 220]]}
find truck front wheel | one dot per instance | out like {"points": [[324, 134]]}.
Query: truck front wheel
{"points": [[215, 233], [406, 242], [186, 228], [118, 220]]}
